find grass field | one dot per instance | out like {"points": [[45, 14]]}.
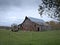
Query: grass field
{"points": [[29, 38]]}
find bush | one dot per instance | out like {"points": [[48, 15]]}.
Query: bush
{"points": [[14, 27]]}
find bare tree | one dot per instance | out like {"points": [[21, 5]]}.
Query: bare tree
{"points": [[50, 6]]}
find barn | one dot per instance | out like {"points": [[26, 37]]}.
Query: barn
{"points": [[33, 24]]}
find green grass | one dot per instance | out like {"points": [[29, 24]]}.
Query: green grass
{"points": [[29, 38]]}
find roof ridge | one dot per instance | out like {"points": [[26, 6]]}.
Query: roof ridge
{"points": [[36, 20]]}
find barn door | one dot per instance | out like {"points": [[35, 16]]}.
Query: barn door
{"points": [[38, 29]]}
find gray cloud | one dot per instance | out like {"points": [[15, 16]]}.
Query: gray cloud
{"points": [[19, 2], [5, 5], [13, 11], [9, 2]]}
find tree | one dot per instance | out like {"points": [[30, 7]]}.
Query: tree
{"points": [[50, 6], [54, 25], [14, 27]]}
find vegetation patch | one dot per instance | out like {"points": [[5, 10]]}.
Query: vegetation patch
{"points": [[29, 38]]}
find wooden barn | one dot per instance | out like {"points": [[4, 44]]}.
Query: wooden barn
{"points": [[33, 24]]}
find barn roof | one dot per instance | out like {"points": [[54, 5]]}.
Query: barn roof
{"points": [[38, 21]]}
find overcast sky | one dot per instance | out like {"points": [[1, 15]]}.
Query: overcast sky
{"points": [[14, 11]]}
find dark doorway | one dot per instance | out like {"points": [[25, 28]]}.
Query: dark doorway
{"points": [[38, 28]]}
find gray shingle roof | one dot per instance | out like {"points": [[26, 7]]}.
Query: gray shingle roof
{"points": [[38, 21]]}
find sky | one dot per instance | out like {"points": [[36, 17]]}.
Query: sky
{"points": [[14, 11]]}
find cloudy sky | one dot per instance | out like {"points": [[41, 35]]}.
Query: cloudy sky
{"points": [[14, 11]]}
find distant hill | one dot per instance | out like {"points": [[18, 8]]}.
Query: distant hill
{"points": [[5, 27]]}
